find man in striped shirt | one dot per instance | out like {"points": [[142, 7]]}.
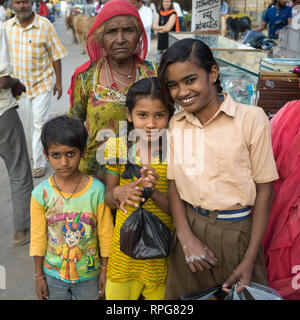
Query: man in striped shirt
{"points": [[35, 51]]}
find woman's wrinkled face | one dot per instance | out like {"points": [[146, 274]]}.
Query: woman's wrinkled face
{"points": [[120, 37]]}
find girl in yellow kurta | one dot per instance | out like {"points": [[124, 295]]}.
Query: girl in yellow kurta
{"points": [[130, 278]]}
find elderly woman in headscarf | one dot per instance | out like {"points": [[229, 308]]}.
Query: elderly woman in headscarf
{"points": [[117, 47]]}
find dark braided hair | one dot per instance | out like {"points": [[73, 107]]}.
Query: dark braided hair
{"points": [[192, 50]]}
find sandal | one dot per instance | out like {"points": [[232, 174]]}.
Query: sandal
{"points": [[21, 237], [37, 173]]}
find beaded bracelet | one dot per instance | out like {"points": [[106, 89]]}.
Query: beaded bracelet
{"points": [[103, 267]]}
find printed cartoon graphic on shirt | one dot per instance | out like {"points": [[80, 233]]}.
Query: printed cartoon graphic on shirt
{"points": [[91, 255], [70, 252]]}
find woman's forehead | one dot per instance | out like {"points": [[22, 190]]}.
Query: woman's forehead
{"points": [[121, 20]]}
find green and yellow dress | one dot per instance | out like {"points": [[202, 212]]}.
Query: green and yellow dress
{"points": [[101, 109]]}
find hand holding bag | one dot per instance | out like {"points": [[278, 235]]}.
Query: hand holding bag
{"points": [[143, 235]]}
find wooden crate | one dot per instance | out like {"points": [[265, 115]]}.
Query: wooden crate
{"points": [[274, 90]]}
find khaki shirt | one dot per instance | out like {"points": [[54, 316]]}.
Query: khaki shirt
{"points": [[216, 166]]}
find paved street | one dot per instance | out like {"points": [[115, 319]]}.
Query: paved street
{"points": [[19, 267]]}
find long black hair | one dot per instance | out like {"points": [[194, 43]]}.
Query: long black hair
{"points": [[192, 50]]}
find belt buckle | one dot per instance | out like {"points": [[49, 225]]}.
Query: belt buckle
{"points": [[203, 212]]}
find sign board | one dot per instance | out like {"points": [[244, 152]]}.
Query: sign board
{"points": [[296, 17], [206, 15]]}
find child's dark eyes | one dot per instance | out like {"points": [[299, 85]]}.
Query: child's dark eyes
{"points": [[172, 85], [190, 81], [57, 155], [71, 154]]}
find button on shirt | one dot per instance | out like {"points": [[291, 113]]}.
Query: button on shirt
{"points": [[216, 165], [7, 101], [32, 51]]}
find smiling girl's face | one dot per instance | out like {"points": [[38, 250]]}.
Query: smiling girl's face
{"points": [[149, 115], [191, 86]]}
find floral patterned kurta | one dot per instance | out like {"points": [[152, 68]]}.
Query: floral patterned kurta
{"points": [[101, 109]]}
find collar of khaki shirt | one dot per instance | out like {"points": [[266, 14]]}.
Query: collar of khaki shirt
{"points": [[228, 106], [34, 24]]}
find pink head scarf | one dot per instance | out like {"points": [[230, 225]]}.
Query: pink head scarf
{"points": [[95, 51]]}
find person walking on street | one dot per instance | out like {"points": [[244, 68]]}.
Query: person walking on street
{"points": [[13, 149], [35, 51], [146, 17]]}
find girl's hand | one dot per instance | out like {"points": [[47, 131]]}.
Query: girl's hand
{"points": [[149, 176], [129, 194], [41, 289], [242, 273], [102, 283], [197, 255]]}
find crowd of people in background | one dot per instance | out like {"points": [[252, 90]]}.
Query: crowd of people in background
{"points": [[219, 205]]}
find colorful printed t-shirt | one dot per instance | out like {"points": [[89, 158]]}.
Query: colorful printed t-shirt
{"points": [[69, 233], [101, 109], [120, 266]]}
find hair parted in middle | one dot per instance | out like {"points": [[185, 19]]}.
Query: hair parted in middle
{"points": [[146, 87]]}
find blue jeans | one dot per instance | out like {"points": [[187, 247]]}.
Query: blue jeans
{"points": [[252, 35], [84, 290], [181, 23]]}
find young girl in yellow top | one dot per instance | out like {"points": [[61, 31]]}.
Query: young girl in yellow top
{"points": [[128, 278]]}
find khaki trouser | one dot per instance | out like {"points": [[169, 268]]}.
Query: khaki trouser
{"points": [[227, 239]]}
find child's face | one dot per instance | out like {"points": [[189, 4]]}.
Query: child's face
{"points": [[63, 159], [192, 87], [149, 115]]}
